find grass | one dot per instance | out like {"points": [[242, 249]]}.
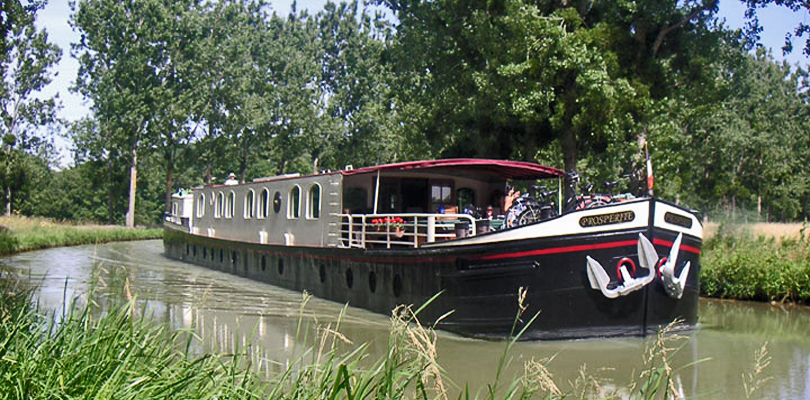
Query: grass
{"points": [[744, 264], [85, 352], [18, 234]]}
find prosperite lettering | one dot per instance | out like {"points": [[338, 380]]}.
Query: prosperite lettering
{"points": [[606, 219]]}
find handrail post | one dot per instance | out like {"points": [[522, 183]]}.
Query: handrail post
{"points": [[351, 228], [363, 231], [415, 232], [431, 229]]}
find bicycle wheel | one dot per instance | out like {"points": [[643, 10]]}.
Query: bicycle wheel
{"points": [[513, 213], [531, 214], [598, 202]]}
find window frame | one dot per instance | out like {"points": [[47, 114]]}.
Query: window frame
{"points": [[294, 207], [201, 206], [249, 211], [313, 212]]}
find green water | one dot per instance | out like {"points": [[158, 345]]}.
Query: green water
{"points": [[229, 312]]}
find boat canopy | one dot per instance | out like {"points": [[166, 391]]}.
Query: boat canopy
{"points": [[517, 170]]}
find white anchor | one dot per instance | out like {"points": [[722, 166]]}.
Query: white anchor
{"points": [[674, 285], [599, 279]]}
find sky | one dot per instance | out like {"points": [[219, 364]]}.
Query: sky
{"points": [[776, 21]]}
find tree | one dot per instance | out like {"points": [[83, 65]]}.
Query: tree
{"points": [[119, 71], [25, 65]]}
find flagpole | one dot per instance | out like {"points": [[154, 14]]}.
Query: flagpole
{"points": [[650, 179]]}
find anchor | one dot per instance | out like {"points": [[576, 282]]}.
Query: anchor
{"points": [[674, 285], [600, 280]]}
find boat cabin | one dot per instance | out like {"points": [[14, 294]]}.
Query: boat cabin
{"points": [[409, 204]]}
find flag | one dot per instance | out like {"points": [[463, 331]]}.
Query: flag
{"points": [[650, 179]]}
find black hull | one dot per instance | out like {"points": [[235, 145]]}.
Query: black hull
{"points": [[478, 283]]}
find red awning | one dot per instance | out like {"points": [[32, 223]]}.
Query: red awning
{"points": [[464, 166]]}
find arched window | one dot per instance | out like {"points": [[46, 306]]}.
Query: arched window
{"points": [[231, 205], [219, 206], [201, 205], [314, 202], [294, 203], [264, 204], [250, 202]]}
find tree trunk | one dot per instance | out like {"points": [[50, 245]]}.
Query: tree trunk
{"points": [[569, 148], [133, 185], [243, 162], [8, 200], [110, 194], [169, 180]]}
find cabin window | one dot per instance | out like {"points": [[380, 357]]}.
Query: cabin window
{"points": [[250, 202], [230, 205], [219, 205], [294, 203], [314, 202], [201, 206], [264, 203], [276, 202], [441, 193], [465, 198], [174, 209]]}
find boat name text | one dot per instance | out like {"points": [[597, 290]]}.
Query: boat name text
{"points": [[679, 220], [606, 219]]}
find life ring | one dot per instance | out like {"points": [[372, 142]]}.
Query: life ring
{"points": [[623, 261], [658, 266]]}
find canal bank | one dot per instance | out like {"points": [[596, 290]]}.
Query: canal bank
{"points": [[19, 233], [232, 314]]}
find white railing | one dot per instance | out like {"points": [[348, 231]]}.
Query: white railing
{"points": [[401, 230]]}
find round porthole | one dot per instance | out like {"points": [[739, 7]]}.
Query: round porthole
{"points": [[322, 273], [349, 278], [281, 266], [372, 281], [264, 263], [277, 202], [397, 286]]}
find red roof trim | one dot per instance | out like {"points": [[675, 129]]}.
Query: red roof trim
{"points": [[509, 169]]}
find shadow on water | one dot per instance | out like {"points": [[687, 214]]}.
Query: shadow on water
{"points": [[229, 312]]}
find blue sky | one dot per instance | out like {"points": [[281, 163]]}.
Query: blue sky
{"points": [[776, 21]]}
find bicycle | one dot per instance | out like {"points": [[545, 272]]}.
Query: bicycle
{"points": [[531, 208]]}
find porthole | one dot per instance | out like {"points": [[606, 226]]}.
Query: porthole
{"points": [[264, 263], [277, 202], [349, 278], [372, 281], [322, 274], [397, 286], [281, 266]]}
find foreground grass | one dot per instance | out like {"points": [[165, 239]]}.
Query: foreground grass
{"points": [[117, 354], [18, 234], [744, 264]]}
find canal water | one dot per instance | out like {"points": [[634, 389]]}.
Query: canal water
{"points": [[229, 312]]}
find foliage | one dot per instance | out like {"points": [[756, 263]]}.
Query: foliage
{"points": [[737, 265], [25, 62]]}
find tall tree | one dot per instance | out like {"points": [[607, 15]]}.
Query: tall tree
{"points": [[25, 65], [119, 71]]}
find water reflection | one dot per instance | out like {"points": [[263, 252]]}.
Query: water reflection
{"points": [[231, 314]]}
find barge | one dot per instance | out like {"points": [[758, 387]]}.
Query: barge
{"points": [[387, 235]]}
